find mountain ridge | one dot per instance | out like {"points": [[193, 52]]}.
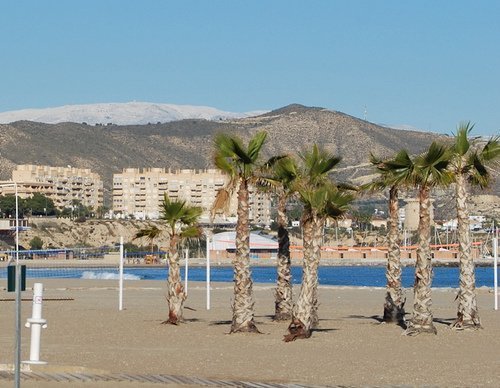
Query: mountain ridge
{"points": [[107, 149], [129, 113]]}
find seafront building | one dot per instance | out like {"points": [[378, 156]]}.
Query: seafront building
{"points": [[62, 185], [139, 193]]}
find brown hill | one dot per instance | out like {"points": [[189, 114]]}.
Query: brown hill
{"points": [[188, 143]]}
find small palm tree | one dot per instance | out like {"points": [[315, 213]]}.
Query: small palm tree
{"points": [[469, 165], [321, 199], [241, 163], [150, 233], [393, 173], [182, 223], [429, 170]]}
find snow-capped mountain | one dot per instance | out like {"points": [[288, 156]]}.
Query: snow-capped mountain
{"points": [[120, 113]]}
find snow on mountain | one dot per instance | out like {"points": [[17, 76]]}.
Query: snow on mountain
{"points": [[120, 113]]}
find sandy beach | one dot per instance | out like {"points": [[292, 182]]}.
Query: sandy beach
{"points": [[86, 333]]}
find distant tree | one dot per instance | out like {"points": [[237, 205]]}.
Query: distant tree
{"points": [[8, 206], [101, 211], [151, 233], [40, 205], [36, 243], [77, 210], [130, 247]]}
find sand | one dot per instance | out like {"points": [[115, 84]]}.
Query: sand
{"points": [[350, 348]]}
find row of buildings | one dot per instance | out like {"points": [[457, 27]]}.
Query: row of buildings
{"points": [[137, 193]]}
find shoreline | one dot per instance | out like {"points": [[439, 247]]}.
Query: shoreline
{"points": [[201, 262]]}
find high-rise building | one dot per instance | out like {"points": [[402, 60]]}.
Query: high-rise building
{"points": [[139, 193], [61, 184]]}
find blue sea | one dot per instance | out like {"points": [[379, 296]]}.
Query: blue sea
{"points": [[370, 276]]}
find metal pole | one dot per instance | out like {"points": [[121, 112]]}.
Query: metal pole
{"points": [[120, 295], [17, 371], [186, 269], [208, 272], [495, 269]]}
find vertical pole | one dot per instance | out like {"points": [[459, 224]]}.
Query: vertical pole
{"points": [[120, 295], [36, 323], [17, 373], [186, 269], [208, 272], [495, 269]]}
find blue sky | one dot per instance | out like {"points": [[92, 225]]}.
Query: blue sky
{"points": [[427, 64]]}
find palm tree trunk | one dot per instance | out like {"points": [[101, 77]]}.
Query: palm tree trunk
{"points": [[421, 321], [283, 294], [175, 289], [304, 313], [243, 304], [317, 241], [394, 311], [467, 314]]}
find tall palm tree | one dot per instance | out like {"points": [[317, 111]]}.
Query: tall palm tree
{"points": [[182, 223], [469, 165], [429, 170], [280, 178], [151, 233], [394, 173], [321, 199], [241, 163]]}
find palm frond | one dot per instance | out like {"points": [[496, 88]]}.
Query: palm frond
{"points": [[462, 142], [255, 145], [224, 164], [431, 168], [223, 144], [150, 233], [478, 174], [191, 232], [178, 213], [240, 153], [491, 149]]}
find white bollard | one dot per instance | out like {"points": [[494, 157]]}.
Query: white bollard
{"points": [[36, 322]]}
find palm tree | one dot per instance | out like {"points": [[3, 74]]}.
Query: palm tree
{"points": [[429, 170], [151, 233], [321, 199], [241, 164], [469, 165], [280, 178], [393, 174], [182, 223]]}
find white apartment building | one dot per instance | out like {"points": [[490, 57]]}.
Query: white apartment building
{"points": [[139, 193], [61, 184]]}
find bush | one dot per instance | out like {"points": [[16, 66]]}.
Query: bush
{"points": [[36, 243]]}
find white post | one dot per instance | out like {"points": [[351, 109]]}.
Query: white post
{"points": [[17, 361], [208, 271], [120, 295], [495, 269], [36, 322], [186, 269]]}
